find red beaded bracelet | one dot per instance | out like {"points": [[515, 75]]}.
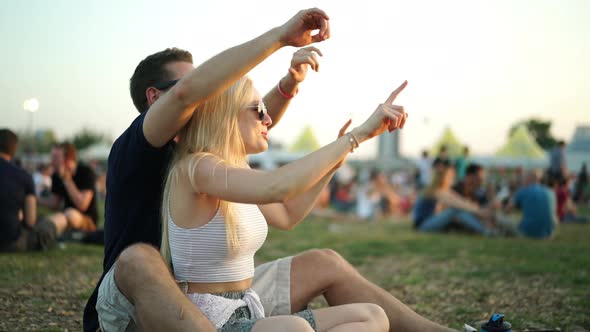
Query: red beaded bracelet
{"points": [[283, 93]]}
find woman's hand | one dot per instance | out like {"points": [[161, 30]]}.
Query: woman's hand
{"points": [[387, 116], [302, 60]]}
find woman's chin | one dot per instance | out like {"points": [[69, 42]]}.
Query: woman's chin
{"points": [[259, 149]]}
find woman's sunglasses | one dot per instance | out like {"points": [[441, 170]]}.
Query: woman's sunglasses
{"points": [[260, 108]]}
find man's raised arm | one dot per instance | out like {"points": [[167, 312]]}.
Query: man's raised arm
{"points": [[172, 110]]}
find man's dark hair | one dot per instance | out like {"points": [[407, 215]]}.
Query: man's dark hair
{"points": [[443, 148], [8, 142], [473, 169], [152, 70], [70, 152], [561, 144]]}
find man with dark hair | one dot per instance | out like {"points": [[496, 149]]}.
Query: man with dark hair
{"points": [[137, 288], [152, 72], [19, 229], [471, 187], [72, 191], [8, 143]]}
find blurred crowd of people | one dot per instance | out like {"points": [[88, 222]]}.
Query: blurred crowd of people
{"points": [[442, 194]]}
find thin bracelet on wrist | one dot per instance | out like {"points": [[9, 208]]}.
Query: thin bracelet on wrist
{"points": [[356, 141], [353, 142], [283, 93]]}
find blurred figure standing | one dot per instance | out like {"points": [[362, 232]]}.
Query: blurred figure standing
{"points": [[581, 189], [424, 170], [557, 164], [461, 164]]}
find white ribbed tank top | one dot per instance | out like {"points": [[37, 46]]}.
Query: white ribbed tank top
{"points": [[201, 254]]}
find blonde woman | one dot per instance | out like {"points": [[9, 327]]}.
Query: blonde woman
{"points": [[439, 206], [216, 210]]}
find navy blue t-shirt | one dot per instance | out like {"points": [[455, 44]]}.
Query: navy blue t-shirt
{"points": [[135, 179], [15, 185]]}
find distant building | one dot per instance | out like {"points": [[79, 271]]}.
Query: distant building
{"points": [[578, 149], [388, 149]]}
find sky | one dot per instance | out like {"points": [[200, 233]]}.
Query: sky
{"points": [[476, 66]]}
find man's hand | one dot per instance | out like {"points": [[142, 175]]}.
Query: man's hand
{"points": [[302, 60], [297, 31]]}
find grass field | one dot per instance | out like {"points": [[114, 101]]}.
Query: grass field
{"points": [[452, 279]]}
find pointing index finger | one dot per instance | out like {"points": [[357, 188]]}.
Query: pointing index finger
{"points": [[396, 92]]}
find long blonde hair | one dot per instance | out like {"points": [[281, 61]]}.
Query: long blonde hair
{"points": [[213, 130]]}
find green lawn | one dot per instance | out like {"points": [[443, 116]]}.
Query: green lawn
{"points": [[453, 278]]}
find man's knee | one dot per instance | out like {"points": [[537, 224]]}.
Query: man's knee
{"points": [[138, 264], [138, 257]]}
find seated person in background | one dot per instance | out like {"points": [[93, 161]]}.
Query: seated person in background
{"points": [[344, 199], [73, 185], [439, 207], [566, 208], [390, 201], [471, 187], [19, 229], [369, 198], [538, 205], [562, 195]]}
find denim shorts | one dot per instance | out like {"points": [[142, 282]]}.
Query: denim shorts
{"points": [[241, 320]]}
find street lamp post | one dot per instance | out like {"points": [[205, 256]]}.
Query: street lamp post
{"points": [[31, 105]]}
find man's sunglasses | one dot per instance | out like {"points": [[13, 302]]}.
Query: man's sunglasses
{"points": [[164, 85], [260, 108]]}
